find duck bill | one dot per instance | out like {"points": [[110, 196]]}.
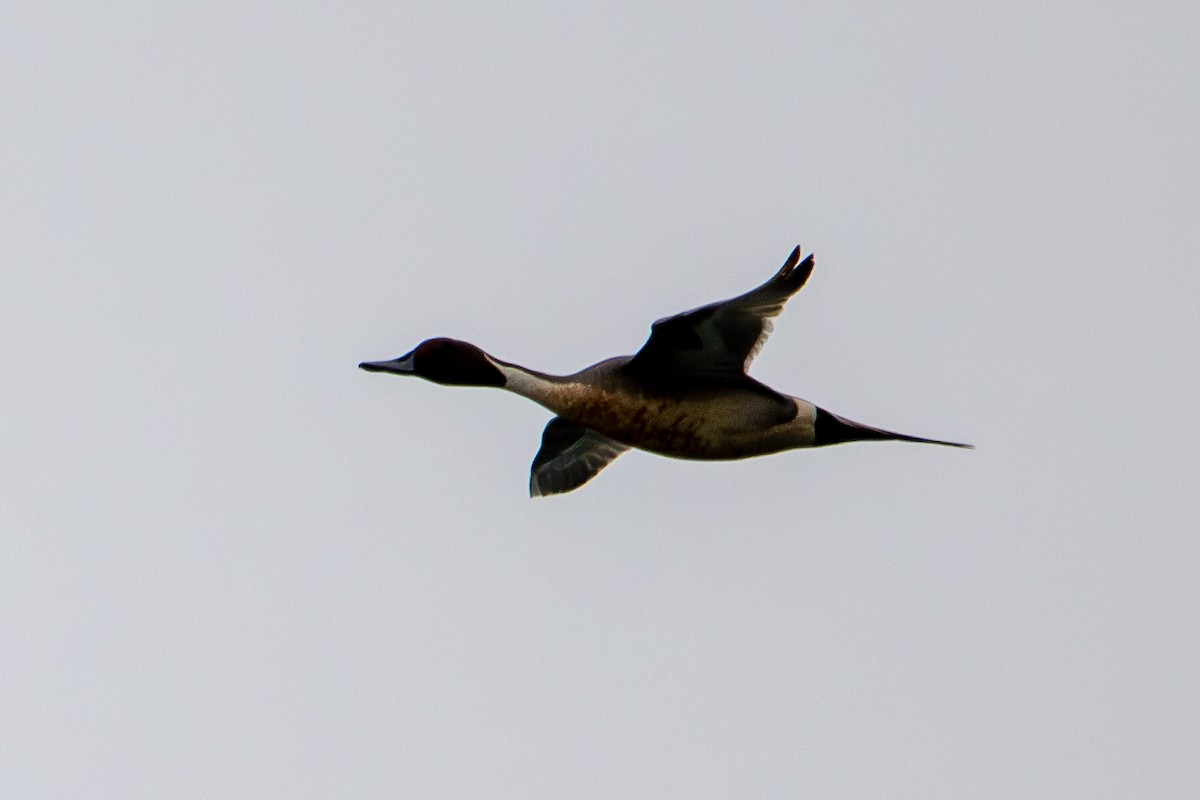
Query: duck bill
{"points": [[401, 366]]}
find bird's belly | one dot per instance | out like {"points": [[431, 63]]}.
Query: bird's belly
{"points": [[721, 426]]}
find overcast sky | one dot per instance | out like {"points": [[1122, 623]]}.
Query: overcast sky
{"points": [[233, 565]]}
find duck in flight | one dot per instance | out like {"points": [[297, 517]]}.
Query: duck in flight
{"points": [[685, 394]]}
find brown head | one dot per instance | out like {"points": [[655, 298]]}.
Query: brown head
{"points": [[446, 361]]}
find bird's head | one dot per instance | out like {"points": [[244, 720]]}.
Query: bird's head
{"points": [[446, 361]]}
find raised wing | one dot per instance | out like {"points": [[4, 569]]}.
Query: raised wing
{"points": [[570, 456], [719, 340]]}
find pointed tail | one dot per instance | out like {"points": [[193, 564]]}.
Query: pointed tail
{"points": [[829, 428]]}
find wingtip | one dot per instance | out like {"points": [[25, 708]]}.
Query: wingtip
{"points": [[793, 262]]}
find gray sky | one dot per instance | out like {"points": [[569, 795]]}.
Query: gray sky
{"points": [[233, 565]]}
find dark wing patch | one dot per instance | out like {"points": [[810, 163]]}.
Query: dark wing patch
{"points": [[720, 339], [570, 456]]}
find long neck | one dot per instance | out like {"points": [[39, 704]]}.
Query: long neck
{"points": [[546, 390]]}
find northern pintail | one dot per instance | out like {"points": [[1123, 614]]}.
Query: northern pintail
{"points": [[685, 394]]}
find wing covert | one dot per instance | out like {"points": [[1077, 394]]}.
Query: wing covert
{"points": [[720, 340]]}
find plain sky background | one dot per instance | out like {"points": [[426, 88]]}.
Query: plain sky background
{"points": [[232, 565]]}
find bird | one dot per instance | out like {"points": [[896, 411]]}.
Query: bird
{"points": [[684, 394]]}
